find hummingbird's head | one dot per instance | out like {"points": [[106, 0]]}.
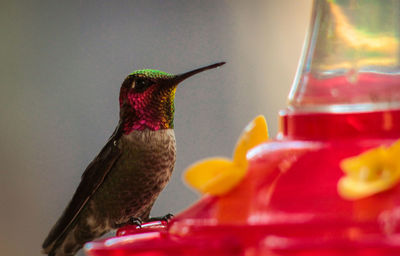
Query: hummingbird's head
{"points": [[147, 98]]}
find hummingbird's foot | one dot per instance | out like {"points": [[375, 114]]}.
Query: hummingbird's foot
{"points": [[166, 218], [135, 221], [132, 221]]}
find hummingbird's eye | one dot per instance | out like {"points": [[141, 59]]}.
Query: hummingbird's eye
{"points": [[141, 84]]}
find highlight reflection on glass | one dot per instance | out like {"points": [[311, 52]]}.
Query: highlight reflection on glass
{"points": [[351, 59]]}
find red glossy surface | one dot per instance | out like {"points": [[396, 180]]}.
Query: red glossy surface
{"points": [[332, 126]]}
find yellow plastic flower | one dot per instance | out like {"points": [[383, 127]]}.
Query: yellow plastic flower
{"points": [[219, 175], [371, 172]]}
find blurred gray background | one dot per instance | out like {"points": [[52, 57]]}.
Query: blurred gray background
{"points": [[62, 63]]}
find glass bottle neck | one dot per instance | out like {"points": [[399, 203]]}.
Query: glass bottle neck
{"points": [[350, 60]]}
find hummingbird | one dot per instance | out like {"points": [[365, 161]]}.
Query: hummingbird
{"points": [[123, 181]]}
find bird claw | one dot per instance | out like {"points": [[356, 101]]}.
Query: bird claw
{"points": [[166, 218], [132, 221], [135, 221], [138, 222]]}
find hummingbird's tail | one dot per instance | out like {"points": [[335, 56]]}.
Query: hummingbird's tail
{"points": [[82, 230], [67, 245]]}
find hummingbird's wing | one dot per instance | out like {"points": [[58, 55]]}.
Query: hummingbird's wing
{"points": [[92, 178]]}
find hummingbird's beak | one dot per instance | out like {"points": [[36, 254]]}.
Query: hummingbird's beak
{"points": [[179, 78]]}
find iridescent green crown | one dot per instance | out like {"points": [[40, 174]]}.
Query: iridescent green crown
{"points": [[152, 73]]}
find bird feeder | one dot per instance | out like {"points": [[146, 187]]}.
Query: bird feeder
{"points": [[328, 184]]}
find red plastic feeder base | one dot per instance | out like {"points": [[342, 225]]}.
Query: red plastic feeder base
{"points": [[288, 203]]}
